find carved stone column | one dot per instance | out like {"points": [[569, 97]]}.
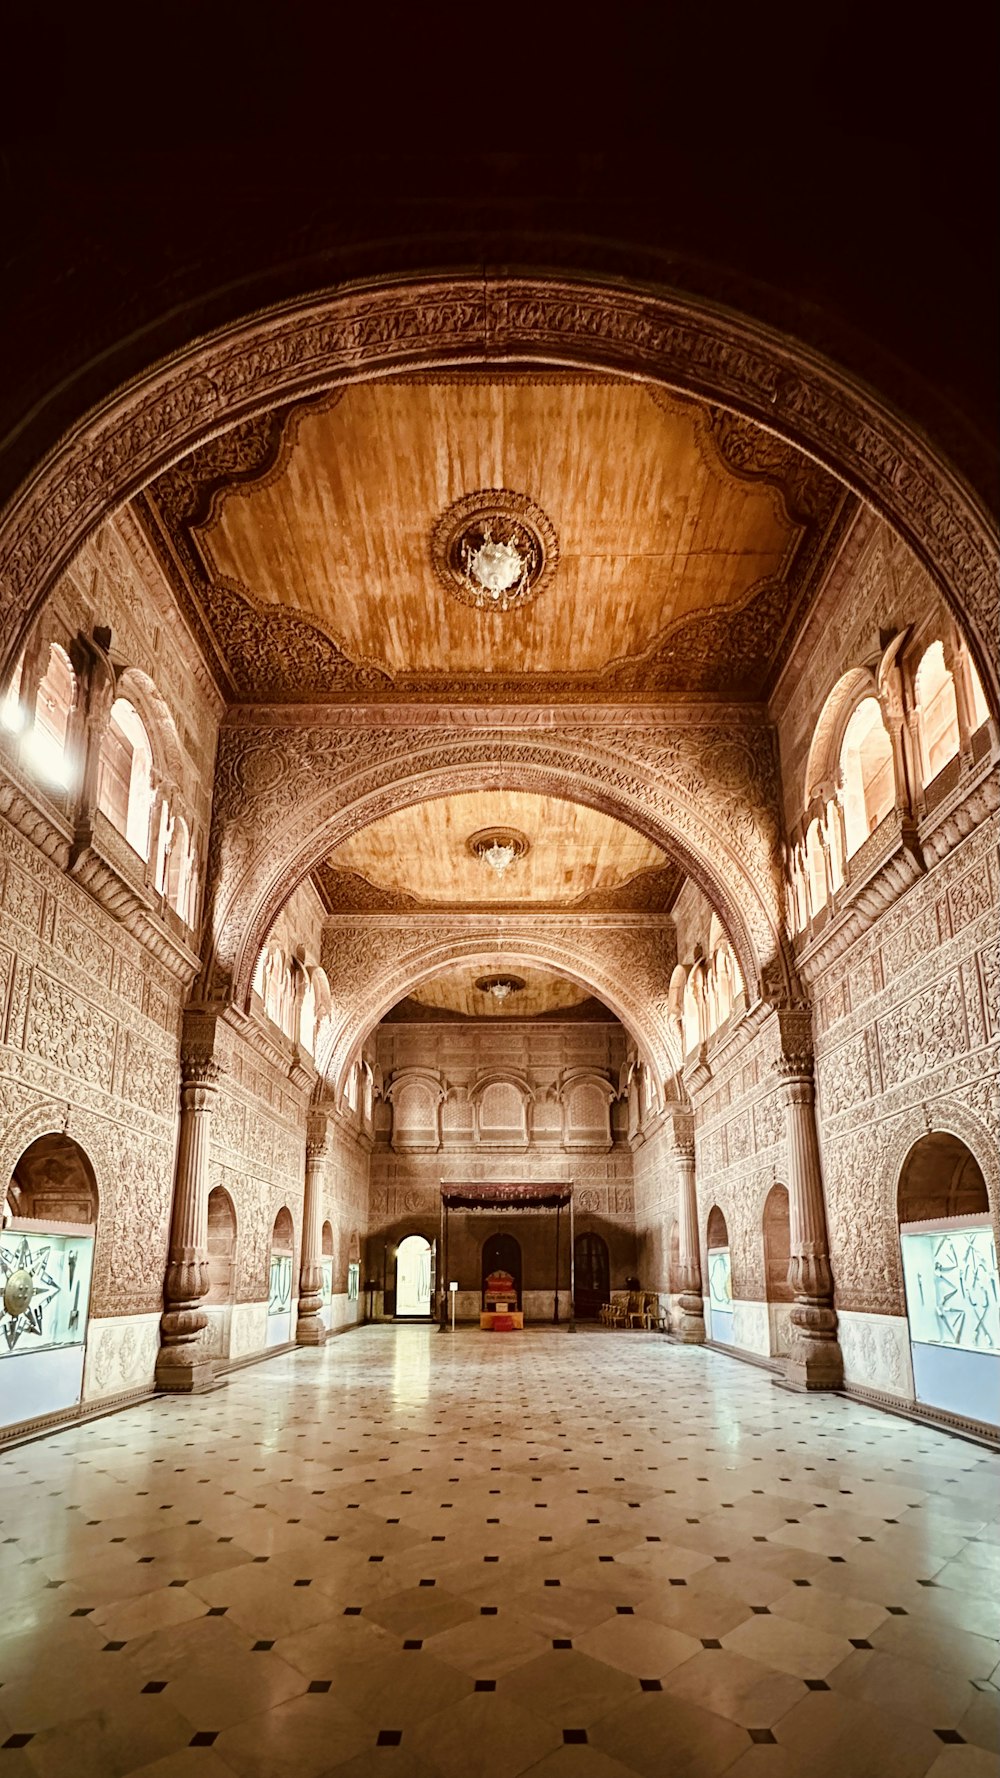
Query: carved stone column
{"points": [[310, 1330], [182, 1365], [692, 1307], [815, 1361]]}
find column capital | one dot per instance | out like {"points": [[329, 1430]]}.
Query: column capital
{"points": [[201, 1071], [794, 1067], [318, 1150]]}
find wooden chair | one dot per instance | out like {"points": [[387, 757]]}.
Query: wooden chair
{"points": [[618, 1309], [636, 1308], [654, 1317]]}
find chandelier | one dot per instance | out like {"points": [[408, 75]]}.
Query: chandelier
{"points": [[498, 848], [494, 549], [500, 987]]}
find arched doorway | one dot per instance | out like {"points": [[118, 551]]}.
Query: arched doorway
{"points": [[777, 1260], [413, 1276], [46, 1263], [221, 1253], [949, 1254], [279, 1293], [501, 1270], [592, 1275], [720, 1279]]}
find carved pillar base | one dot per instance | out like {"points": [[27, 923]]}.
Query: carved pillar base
{"points": [[814, 1361], [691, 1327], [183, 1367], [310, 1330]]}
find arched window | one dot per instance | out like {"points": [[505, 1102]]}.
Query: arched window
{"points": [[694, 1009], [124, 785], [307, 1019], [162, 841], [179, 868], [816, 867], [980, 708], [937, 711], [724, 982], [867, 774], [11, 714], [53, 709]]}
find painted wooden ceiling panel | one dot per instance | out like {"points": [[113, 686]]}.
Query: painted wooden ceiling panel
{"points": [[652, 526], [572, 852]]}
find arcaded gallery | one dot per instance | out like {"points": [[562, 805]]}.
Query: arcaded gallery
{"points": [[499, 884]]}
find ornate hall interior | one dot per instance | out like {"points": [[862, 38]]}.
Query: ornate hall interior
{"points": [[499, 959]]}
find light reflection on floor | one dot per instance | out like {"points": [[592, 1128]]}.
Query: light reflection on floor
{"points": [[450, 1556]]}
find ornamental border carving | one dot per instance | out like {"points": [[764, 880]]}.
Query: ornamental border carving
{"points": [[707, 797], [315, 344], [397, 961]]}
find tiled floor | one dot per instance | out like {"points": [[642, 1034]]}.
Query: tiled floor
{"points": [[445, 1557]]}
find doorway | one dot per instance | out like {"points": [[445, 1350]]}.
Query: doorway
{"points": [[413, 1276], [720, 1281], [501, 1262], [777, 1265], [592, 1275]]}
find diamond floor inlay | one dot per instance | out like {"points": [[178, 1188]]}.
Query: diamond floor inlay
{"points": [[732, 1578]]}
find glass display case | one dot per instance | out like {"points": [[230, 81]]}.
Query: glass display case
{"points": [[44, 1290], [720, 1294], [953, 1306], [279, 1295], [354, 1280], [951, 1288]]}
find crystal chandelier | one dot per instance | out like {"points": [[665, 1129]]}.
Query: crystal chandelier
{"points": [[498, 848], [500, 987], [495, 568], [494, 549], [499, 858]]}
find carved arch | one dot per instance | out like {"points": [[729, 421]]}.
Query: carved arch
{"points": [[53, 1117], [313, 344], [417, 959], [284, 802], [947, 1118]]}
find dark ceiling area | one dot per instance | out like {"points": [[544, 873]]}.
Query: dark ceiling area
{"points": [[840, 187]]}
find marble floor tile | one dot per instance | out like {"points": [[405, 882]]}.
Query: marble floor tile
{"points": [[609, 1557]]}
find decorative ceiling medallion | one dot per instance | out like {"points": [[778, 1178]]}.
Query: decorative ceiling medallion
{"points": [[498, 847], [494, 549], [500, 986]]}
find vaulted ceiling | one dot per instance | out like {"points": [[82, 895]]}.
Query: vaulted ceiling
{"points": [[687, 541], [537, 992], [575, 855]]}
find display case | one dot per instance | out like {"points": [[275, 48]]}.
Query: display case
{"points": [[720, 1294], [326, 1292], [45, 1286], [953, 1306], [45, 1277], [279, 1300]]}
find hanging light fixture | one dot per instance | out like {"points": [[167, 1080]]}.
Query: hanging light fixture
{"points": [[499, 848], [500, 987]]}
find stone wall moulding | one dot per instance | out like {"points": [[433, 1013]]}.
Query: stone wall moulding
{"points": [[285, 797], [317, 343], [621, 962]]}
